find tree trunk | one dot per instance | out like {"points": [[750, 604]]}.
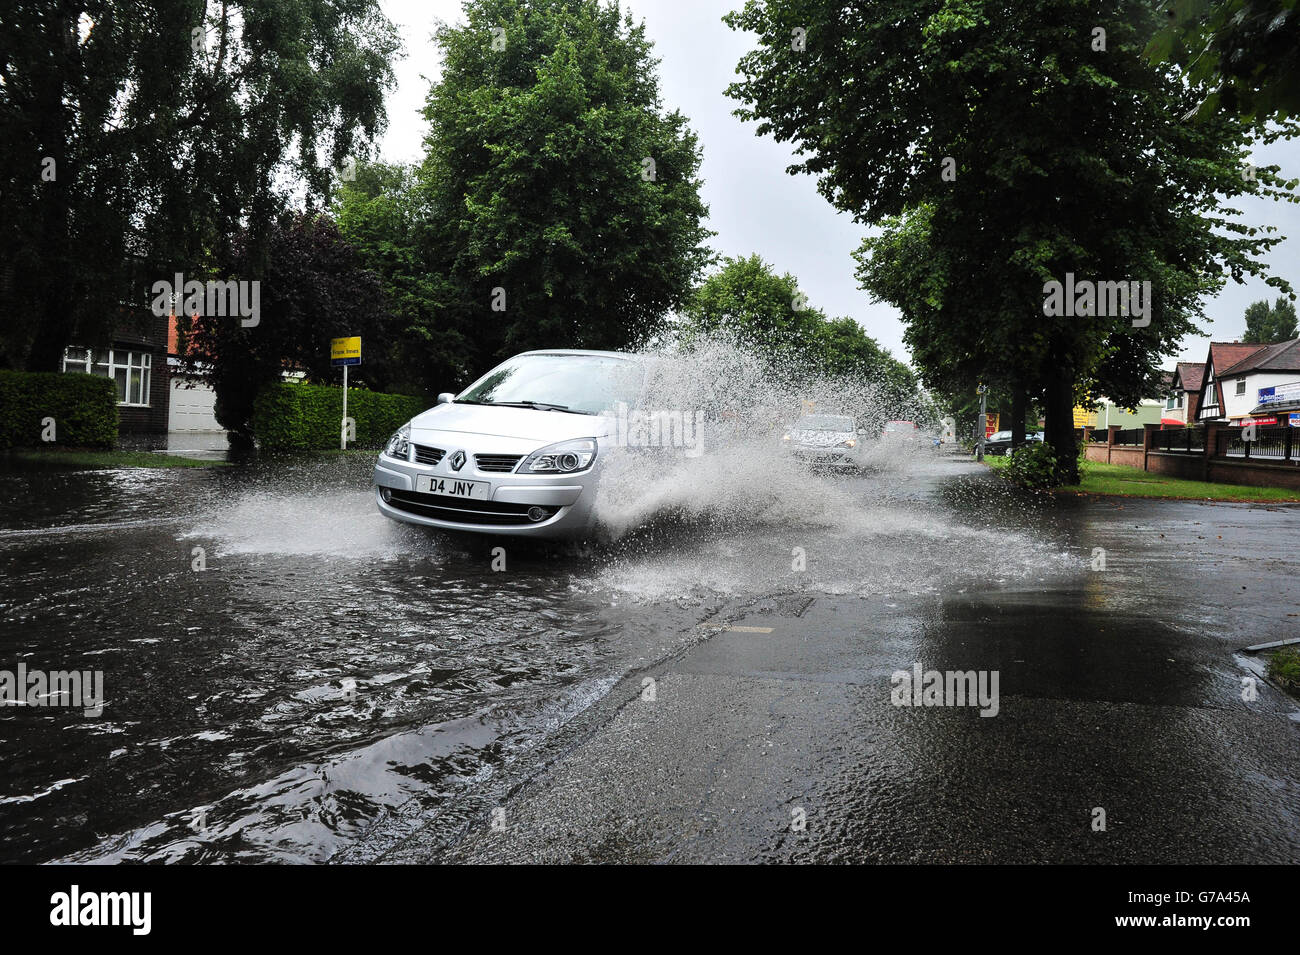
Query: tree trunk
{"points": [[1059, 425], [1017, 415]]}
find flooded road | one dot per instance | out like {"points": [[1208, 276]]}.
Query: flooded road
{"points": [[290, 677]]}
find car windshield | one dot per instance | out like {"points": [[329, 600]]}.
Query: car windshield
{"points": [[584, 384], [824, 422], [1001, 436]]}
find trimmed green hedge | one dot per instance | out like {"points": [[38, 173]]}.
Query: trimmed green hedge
{"points": [[84, 409], [295, 417]]}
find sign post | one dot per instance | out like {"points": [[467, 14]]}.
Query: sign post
{"points": [[345, 352], [983, 392]]}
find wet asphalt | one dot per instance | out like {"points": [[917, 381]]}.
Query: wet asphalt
{"points": [[772, 737], [714, 686]]}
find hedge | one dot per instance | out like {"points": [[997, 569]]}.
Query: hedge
{"points": [[84, 409], [296, 417]]}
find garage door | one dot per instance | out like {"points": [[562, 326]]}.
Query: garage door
{"points": [[192, 408]]}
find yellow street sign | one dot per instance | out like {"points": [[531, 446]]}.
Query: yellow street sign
{"points": [[345, 351]]}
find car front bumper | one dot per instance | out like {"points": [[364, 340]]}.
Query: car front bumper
{"points": [[827, 457], [563, 501]]}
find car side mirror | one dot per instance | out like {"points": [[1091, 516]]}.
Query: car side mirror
{"points": [[446, 398]]}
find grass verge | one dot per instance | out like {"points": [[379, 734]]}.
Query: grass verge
{"points": [[1119, 480], [104, 460], [1284, 668]]}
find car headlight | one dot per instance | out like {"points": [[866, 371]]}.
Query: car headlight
{"points": [[567, 457], [850, 443], [399, 445]]}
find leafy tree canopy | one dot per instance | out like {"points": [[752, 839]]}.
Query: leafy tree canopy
{"points": [[1245, 52], [1005, 144], [766, 313], [559, 200], [136, 139]]}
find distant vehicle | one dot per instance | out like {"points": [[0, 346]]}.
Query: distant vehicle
{"points": [[1000, 441], [826, 440]]}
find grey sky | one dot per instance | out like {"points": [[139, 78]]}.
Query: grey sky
{"points": [[754, 205]]}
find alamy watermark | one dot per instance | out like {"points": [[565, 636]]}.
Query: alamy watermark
{"points": [[1088, 299], [83, 688], [213, 299], [132, 910], [947, 688], [637, 428]]}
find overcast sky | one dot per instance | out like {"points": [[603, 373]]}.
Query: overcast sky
{"points": [[754, 205]]}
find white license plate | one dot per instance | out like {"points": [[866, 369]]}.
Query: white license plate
{"points": [[451, 487]]}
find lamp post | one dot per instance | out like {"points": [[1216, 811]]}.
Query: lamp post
{"points": [[983, 392]]}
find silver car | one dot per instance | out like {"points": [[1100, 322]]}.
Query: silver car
{"points": [[826, 440], [518, 452]]}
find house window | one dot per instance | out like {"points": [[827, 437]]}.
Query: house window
{"points": [[1241, 386], [1169, 404], [1180, 401], [129, 370]]}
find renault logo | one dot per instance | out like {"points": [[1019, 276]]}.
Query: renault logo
{"points": [[458, 460]]}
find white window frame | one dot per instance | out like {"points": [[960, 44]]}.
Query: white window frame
{"points": [[1241, 386], [126, 359]]}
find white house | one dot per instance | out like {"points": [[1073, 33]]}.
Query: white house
{"points": [[1245, 383]]}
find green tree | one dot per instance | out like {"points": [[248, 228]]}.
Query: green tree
{"points": [[767, 314], [1268, 326], [1243, 51], [561, 201], [138, 138], [384, 213], [1030, 141]]}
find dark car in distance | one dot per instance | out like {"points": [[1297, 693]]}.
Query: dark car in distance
{"points": [[1000, 441]]}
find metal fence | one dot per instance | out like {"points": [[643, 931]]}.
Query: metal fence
{"points": [[1259, 444], [1179, 440], [1129, 437]]}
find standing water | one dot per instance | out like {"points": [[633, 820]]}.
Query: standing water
{"points": [[283, 666]]}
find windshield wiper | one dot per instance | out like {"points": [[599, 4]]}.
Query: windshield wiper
{"points": [[536, 406]]}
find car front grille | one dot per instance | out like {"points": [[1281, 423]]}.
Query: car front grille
{"points": [[427, 455], [500, 463], [465, 511]]}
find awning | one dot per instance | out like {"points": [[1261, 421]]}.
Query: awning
{"points": [[1276, 407]]}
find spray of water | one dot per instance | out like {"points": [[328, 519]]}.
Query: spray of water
{"points": [[745, 516], [723, 511], [743, 472]]}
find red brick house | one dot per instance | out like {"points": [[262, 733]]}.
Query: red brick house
{"points": [[1184, 395]]}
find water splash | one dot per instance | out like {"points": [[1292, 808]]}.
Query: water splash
{"points": [[298, 522], [737, 518]]}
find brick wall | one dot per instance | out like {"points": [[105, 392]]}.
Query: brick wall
{"points": [[1196, 466], [149, 333]]}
